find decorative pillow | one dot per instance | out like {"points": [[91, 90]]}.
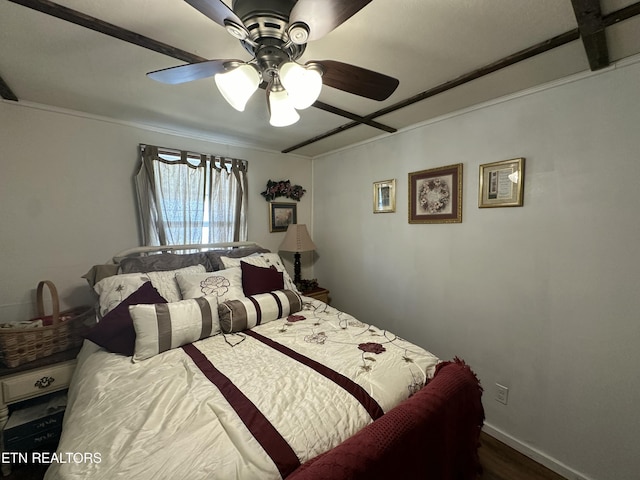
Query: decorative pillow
{"points": [[166, 283], [164, 326], [215, 255], [224, 284], [113, 290], [263, 260], [98, 272], [259, 279], [238, 315], [115, 331]]}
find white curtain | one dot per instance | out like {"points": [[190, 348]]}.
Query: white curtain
{"points": [[190, 198], [228, 206]]}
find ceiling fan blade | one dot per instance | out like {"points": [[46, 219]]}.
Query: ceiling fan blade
{"points": [[190, 71], [357, 80], [215, 10], [322, 16]]}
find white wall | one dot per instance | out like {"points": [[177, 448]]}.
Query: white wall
{"points": [[67, 198], [544, 299]]}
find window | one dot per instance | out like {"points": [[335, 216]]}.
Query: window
{"points": [[186, 198]]}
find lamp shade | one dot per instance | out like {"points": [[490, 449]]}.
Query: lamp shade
{"points": [[237, 85], [297, 239]]}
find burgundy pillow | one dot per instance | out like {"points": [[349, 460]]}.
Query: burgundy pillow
{"points": [[257, 280], [115, 331]]}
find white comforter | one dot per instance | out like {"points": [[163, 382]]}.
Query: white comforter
{"points": [[164, 419]]}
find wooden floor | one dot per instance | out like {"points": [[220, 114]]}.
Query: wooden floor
{"points": [[499, 462]]}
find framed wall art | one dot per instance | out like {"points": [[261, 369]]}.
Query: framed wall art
{"points": [[501, 184], [435, 195], [281, 215], [384, 196]]}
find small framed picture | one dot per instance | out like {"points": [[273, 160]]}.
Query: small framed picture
{"points": [[384, 196], [435, 195], [501, 184], [281, 215]]}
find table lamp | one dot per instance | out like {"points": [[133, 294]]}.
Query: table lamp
{"points": [[297, 240]]}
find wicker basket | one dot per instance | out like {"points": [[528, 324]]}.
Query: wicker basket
{"points": [[61, 331]]}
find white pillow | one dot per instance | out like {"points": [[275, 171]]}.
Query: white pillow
{"points": [[244, 313], [224, 284], [263, 260], [165, 282], [113, 290], [164, 326]]}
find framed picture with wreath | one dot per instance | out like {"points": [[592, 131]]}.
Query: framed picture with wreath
{"points": [[435, 195]]}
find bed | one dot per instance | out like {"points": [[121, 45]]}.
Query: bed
{"points": [[211, 364]]}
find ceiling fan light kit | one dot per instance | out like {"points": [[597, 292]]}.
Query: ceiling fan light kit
{"points": [[281, 109], [304, 84], [238, 84], [275, 33]]}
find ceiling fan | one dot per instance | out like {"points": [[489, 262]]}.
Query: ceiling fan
{"points": [[275, 33]]}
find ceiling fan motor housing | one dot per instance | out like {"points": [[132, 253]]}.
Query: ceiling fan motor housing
{"points": [[267, 22], [277, 8]]}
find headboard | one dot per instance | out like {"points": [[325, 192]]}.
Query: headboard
{"points": [[170, 257], [190, 248]]}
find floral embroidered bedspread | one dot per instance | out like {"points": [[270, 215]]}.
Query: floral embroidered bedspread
{"points": [[250, 405], [390, 368]]}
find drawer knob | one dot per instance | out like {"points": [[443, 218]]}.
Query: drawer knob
{"points": [[44, 382]]}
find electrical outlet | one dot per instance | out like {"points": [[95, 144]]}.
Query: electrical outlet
{"points": [[502, 393]]}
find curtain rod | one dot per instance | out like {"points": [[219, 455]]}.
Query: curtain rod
{"points": [[190, 154]]}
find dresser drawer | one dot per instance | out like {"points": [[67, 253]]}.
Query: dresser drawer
{"points": [[49, 437], [34, 383], [14, 433]]}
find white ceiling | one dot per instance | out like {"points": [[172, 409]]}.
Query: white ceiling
{"points": [[423, 43]]}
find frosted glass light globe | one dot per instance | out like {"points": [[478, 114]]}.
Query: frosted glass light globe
{"points": [[282, 110], [302, 84], [237, 85]]}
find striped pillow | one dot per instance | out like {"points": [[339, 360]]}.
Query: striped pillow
{"points": [[161, 327], [238, 315]]}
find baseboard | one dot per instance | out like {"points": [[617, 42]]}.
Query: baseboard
{"points": [[534, 454]]}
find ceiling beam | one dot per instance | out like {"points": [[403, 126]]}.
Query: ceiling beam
{"points": [[537, 49], [5, 91], [592, 32], [366, 120], [623, 14], [512, 59], [97, 25], [572, 35]]}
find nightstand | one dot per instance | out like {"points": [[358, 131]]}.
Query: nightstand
{"points": [[32, 380], [318, 293]]}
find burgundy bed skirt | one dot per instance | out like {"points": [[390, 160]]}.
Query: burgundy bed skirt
{"points": [[432, 435]]}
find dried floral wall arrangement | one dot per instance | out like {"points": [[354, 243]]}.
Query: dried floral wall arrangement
{"points": [[282, 188]]}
